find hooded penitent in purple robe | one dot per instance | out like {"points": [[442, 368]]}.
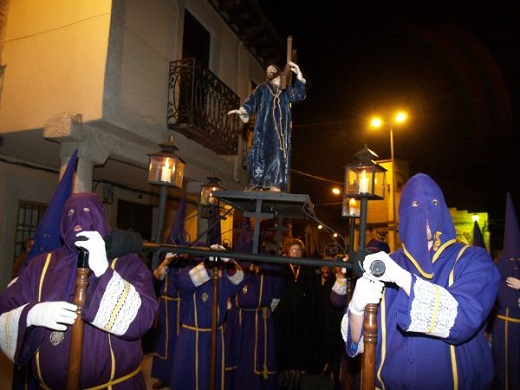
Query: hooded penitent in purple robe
{"points": [[119, 308], [268, 161], [191, 370], [506, 325], [250, 338], [433, 338], [168, 324]]}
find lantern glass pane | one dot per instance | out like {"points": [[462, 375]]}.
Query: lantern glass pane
{"points": [[179, 173], [358, 179], [380, 184], [351, 207], [162, 169], [154, 169]]}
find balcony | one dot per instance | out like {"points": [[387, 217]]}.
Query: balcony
{"points": [[198, 102]]}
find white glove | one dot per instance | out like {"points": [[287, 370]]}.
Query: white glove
{"points": [[52, 315], [217, 247], [168, 258], [296, 69], [393, 272], [366, 291], [95, 244], [162, 270], [513, 282], [242, 113]]}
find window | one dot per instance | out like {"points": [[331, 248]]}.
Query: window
{"points": [[196, 41], [29, 214], [136, 217]]}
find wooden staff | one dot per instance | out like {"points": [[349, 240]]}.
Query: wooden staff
{"points": [[368, 372], [76, 342]]}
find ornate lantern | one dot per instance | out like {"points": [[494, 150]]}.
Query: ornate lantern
{"points": [[363, 179], [165, 167]]}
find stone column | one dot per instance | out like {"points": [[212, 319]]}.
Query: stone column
{"points": [[71, 133]]}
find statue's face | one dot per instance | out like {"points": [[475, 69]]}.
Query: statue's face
{"points": [[271, 72]]}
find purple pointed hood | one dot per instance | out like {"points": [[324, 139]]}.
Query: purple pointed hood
{"points": [[177, 233], [511, 247], [422, 202], [508, 263], [47, 236], [478, 240]]}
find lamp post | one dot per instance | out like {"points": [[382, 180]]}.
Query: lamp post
{"points": [[364, 180], [377, 122], [209, 205], [165, 169], [209, 208]]}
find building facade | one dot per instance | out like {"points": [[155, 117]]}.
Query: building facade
{"points": [[114, 79]]}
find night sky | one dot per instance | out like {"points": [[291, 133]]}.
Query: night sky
{"points": [[454, 68]]}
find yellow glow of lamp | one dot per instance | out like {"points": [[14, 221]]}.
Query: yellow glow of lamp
{"points": [[207, 190], [365, 178], [165, 168]]}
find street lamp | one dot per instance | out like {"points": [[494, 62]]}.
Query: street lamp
{"points": [[377, 122], [165, 169], [210, 207]]}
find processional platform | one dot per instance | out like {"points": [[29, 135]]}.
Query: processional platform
{"points": [[267, 205]]}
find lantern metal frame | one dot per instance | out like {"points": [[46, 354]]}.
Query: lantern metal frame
{"points": [[365, 178], [209, 205], [165, 167]]}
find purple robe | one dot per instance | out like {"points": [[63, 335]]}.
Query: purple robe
{"points": [[268, 161], [413, 359], [119, 308], [123, 341], [191, 370], [433, 338], [506, 327], [506, 324], [250, 338], [168, 328]]}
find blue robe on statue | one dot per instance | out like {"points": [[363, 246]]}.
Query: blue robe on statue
{"points": [[268, 161]]}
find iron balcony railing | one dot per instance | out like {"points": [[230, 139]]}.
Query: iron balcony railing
{"points": [[198, 102]]}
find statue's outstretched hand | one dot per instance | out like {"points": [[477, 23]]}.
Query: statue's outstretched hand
{"points": [[241, 112], [296, 69]]}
